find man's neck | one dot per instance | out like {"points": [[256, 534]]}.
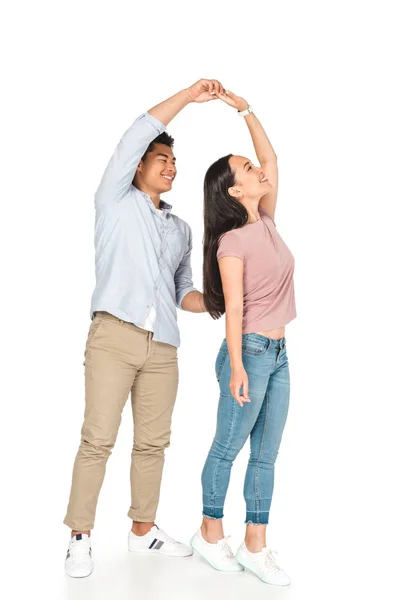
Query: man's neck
{"points": [[154, 196]]}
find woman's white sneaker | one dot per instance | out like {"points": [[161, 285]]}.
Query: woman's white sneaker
{"points": [[263, 564], [78, 562], [219, 555], [156, 541]]}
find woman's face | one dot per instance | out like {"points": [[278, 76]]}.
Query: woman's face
{"points": [[251, 182]]}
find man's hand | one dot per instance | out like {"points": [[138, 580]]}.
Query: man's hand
{"points": [[205, 90], [233, 100], [194, 302], [239, 380]]}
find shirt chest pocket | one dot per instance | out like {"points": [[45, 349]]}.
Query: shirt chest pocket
{"points": [[177, 246]]}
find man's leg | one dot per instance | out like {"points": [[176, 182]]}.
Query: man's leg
{"points": [[114, 352], [153, 399]]}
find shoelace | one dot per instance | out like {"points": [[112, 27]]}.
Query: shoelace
{"points": [[79, 550], [168, 539], [225, 547], [269, 559]]}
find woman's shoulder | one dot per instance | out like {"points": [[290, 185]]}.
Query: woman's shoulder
{"points": [[232, 234], [265, 216], [231, 243]]}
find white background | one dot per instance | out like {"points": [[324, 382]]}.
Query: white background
{"points": [[323, 79]]}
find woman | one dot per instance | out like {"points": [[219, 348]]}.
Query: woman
{"points": [[248, 273]]}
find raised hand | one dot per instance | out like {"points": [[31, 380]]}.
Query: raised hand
{"points": [[205, 90], [233, 100]]}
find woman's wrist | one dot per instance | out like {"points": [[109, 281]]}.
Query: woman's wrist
{"points": [[236, 365], [243, 105]]}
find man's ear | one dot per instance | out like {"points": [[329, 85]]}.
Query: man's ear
{"points": [[140, 166], [235, 192]]}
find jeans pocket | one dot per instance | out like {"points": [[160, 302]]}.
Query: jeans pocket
{"points": [[219, 363], [252, 347]]}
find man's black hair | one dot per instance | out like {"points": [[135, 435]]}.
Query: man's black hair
{"points": [[163, 138]]}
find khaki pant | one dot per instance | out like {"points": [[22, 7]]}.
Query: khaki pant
{"points": [[121, 358]]}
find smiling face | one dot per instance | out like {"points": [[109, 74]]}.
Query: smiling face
{"points": [[157, 171], [250, 180]]}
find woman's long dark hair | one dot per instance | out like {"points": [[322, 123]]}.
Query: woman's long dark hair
{"points": [[221, 214]]}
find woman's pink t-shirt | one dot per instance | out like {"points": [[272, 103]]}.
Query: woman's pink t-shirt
{"points": [[268, 289]]}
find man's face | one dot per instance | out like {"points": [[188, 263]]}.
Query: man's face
{"points": [[158, 170]]}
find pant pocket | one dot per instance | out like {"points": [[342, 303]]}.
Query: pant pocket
{"points": [[93, 330]]}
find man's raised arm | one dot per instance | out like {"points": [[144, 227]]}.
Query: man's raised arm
{"points": [[122, 166]]}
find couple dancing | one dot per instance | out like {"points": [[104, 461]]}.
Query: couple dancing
{"points": [[143, 273]]}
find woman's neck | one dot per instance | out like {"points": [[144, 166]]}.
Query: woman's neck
{"points": [[252, 209]]}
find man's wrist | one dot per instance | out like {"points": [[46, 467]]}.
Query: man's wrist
{"points": [[202, 303], [188, 96]]}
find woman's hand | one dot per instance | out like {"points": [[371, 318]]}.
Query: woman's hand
{"points": [[233, 100], [239, 380], [205, 90]]}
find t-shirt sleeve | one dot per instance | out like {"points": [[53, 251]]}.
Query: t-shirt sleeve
{"points": [[230, 244]]}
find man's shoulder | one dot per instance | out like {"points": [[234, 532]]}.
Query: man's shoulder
{"points": [[182, 225]]}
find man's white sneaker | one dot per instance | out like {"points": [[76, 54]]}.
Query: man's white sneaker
{"points": [[79, 556], [156, 541], [219, 555], [263, 564]]}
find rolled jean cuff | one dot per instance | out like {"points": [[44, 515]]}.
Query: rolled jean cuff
{"points": [[257, 518], [213, 512]]}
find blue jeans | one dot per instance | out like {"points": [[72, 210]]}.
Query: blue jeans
{"points": [[263, 419]]}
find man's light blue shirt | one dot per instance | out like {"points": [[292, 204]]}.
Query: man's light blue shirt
{"points": [[142, 257]]}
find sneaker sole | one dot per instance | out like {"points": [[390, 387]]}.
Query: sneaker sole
{"points": [[82, 576], [193, 543], [157, 552], [249, 567]]}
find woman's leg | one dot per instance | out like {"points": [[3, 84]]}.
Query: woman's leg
{"points": [[265, 440], [234, 424]]}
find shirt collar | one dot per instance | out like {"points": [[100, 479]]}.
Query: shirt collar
{"points": [[163, 205]]}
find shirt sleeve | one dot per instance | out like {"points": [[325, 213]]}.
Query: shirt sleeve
{"points": [[183, 275], [230, 244], [122, 166]]}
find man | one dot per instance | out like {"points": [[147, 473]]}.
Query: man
{"points": [[142, 274]]}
